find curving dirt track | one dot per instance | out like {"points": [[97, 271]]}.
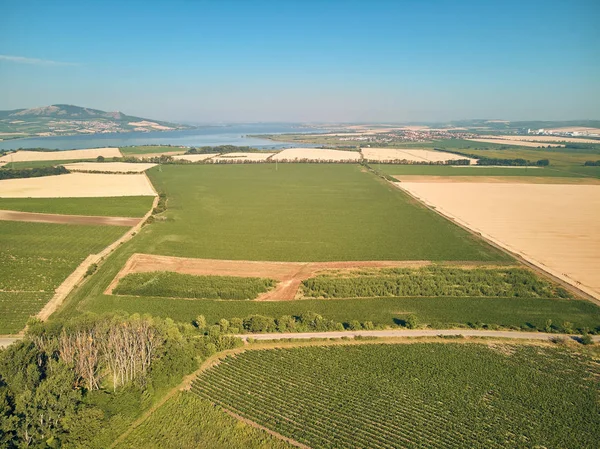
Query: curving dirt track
{"points": [[11, 215], [289, 274]]}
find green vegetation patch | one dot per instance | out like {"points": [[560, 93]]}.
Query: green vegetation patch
{"points": [[433, 281], [147, 149], [440, 395], [175, 285], [299, 212], [187, 421], [125, 206], [441, 170], [35, 258]]}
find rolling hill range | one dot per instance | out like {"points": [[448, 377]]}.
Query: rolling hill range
{"points": [[62, 120]]}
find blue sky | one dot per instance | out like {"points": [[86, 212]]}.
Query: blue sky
{"points": [[305, 60]]}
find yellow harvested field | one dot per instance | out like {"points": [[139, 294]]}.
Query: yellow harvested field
{"points": [[241, 157], [29, 156], [521, 143], [553, 226], [316, 154], [152, 155], [110, 167], [395, 154], [543, 139], [194, 157], [147, 124], [77, 185]]}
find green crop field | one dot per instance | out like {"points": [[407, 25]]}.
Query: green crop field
{"points": [[449, 170], [35, 258], [187, 421], [299, 212], [414, 395], [147, 149], [558, 157], [125, 206], [176, 285], [40, 164]]}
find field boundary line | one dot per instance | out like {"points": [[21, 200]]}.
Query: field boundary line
{"points": [[78, 275], [538, 267]]}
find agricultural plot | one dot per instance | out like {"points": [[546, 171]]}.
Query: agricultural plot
{"points": [[140, 150], [544, 139], [298, 212], [518, 143], [36, 258], [552, 226], [109, 167], [92, 153], [126, 206], [175, 285], [473, 170], [194, 157], [410, 155], [317, 154], [558, 157], [77, 185], [413, 395], [242, 157]]}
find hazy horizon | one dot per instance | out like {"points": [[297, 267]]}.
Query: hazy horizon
{"points": [[298, 62]]}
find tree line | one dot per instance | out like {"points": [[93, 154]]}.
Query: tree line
{"points": [[12, 173]]}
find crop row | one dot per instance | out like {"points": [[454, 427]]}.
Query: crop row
{"points": [[176, 285], [417, 396], [433, 281]]}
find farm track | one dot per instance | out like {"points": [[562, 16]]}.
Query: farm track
{"points": [[35, 217]]}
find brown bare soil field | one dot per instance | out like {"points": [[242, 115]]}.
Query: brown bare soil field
{"points": [[29, 156], [552, 226], [398, 154], [35, 217], [289, 274], [497, 179], [112, 167], [194, 157], [77, 185], [521, 143], [317, 154]]}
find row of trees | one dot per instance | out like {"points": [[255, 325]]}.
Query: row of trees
{"points": [[11, 173], [518, 162], [592, 163]]}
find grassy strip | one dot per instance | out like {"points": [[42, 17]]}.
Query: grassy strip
{"points": [[442, 395], [187, 421], [147, 149], [433, 281], [176, 285], [125, 206], [441, 170]]}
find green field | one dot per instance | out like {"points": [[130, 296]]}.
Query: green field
{"points": [[449, 170], [187, 421], [299, 212], [176, 285], [125, 206], [40, 164], [35, 258], [147, 149], [558, 157], [414, 395]]}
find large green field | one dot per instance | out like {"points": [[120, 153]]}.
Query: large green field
{"points": [[147, 149], [299, 212], [125, 206], [35, 258], [449, 170], [414, 395]]}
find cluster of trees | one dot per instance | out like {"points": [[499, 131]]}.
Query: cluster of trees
{"points": [[176, 285], [434, 281], [518, 162], [592, 163], [11, 173], [219, 149], [66, 383]]}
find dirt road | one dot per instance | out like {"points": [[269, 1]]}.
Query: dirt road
{"points": [[412, 333], [35, 217]]}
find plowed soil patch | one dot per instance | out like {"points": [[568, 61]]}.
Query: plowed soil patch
{"points": [[11, 215], [289, 274]]}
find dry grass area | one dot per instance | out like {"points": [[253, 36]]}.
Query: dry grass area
{"points": [[34, 217], [241, 157], [395, 154], [289, 274], [520, 143], [29, 156], [498, 179], [534, 138], [316, 154], [112, 167], [77, 185], [194, 157], [553, 226]]}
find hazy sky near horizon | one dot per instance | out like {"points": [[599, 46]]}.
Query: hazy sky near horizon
{"points": [[212, 61]]}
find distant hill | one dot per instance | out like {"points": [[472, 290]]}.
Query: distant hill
{"points": [[65, 119]]}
